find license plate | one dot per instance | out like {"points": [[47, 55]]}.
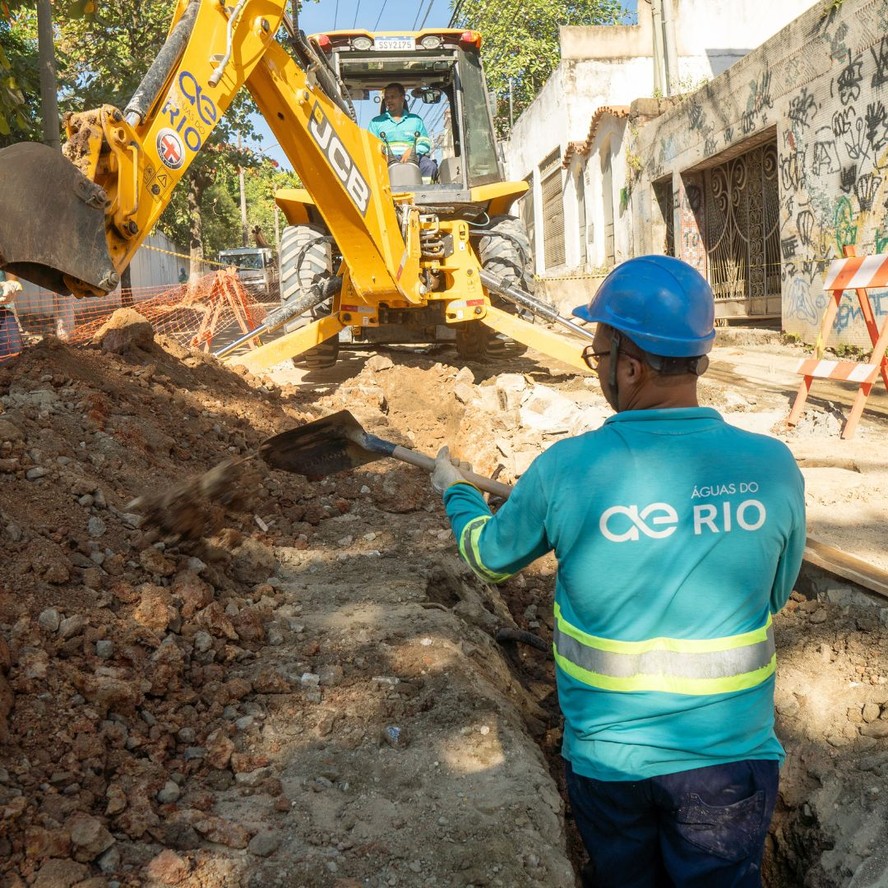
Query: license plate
{"points": [[389, 44]]}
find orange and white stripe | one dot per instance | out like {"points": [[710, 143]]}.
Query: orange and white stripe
{"points": [[851, 371], [857, 272]]}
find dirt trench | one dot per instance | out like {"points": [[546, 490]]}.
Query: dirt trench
{"points": [[312, 693]]}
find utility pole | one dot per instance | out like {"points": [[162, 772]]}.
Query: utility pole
{"points": [[671, 53], [243, 201], [49, 104], [661, 84]]}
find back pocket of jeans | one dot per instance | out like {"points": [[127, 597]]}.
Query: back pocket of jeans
{"points": [[730, 832]]}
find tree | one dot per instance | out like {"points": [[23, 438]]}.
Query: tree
{"points": [[103, 49], [520, 41], [19, 76]]}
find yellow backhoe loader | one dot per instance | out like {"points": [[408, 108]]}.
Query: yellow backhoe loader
{"points": [[371, 253]]}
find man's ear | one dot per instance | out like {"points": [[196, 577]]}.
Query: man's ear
{"points": [[634, 368]]}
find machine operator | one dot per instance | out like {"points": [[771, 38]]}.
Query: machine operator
{"points": [[403, 132]]}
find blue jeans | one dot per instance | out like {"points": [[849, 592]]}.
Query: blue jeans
{"points": [[703, 828]]}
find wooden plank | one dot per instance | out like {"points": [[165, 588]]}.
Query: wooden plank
{"points": [[840, 563]]}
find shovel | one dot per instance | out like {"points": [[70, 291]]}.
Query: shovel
{"points": [[338, 442]]}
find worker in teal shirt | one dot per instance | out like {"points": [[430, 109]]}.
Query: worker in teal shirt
{"points": [[403, 132], [677, 537]]}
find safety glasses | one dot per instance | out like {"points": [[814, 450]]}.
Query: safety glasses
{"points": [[593, 358]]}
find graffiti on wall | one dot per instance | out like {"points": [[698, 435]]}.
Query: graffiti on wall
{"points": [[834, 192]]}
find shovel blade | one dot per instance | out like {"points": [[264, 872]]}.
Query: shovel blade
{"points": [[53, 222], [319, 448]]}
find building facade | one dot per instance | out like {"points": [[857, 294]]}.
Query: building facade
{"points": [[575, 144], [770, 171]]}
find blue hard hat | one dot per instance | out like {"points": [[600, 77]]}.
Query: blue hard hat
{"points": [[662, 304]]}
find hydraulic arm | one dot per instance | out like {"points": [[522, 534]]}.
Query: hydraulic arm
{"points": [[128, 163]]}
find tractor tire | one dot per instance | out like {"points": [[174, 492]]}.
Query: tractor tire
{"points": [[307, 262], [505, 251]]}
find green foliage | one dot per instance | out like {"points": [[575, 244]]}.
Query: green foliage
{"points": [[520, 42], [215, 175], [19, 76], [103, 50]]}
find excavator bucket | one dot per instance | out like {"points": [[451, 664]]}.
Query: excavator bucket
{"points": [[52, 222]]}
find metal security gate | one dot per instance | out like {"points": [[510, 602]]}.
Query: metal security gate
{"points": [[742, 234]]}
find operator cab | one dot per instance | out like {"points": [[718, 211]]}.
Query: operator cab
{"points": [[444, 81]]}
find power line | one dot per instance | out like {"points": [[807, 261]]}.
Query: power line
{"points": [[357, 10], [336, 15], [456, 11], [381, 11], [422, 23]]}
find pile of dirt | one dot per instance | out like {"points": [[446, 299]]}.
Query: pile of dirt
{"points": [[312, 693]]}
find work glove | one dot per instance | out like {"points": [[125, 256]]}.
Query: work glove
{"points": [[447, 470]]}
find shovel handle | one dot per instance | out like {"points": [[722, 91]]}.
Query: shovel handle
{"points": [[497, 488]]}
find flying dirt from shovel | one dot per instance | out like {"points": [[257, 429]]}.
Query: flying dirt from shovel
{"points": [[331, 444], [196, 508]]}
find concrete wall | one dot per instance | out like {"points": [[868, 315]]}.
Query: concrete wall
{"points": [[610, 66], [819, 88]]}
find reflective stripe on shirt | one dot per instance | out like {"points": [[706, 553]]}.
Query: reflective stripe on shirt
{"points": [[468, 548], [673, 665]]}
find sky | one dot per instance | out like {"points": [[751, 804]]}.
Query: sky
{"points": [[373, 15]]}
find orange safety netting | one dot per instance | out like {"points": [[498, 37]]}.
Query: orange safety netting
{"points": [[214, 310]]}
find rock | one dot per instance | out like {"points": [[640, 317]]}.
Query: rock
{"points": [[50, 619], [871, 712], [169, 793], [378, 363], [116, 796], [156, 562], [72, 626], [264, 843], [878, 729], [203, 641], [219, 749], [95, 527], [60, 874], [155, 610], [41, 842], [9, 431], [89, 837], [214, 619], [242, 763], [249, 626], [222, 831], [330, 676], [124, 331], [108, 692], [194, 593], [270, 681], [168, 868]]}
